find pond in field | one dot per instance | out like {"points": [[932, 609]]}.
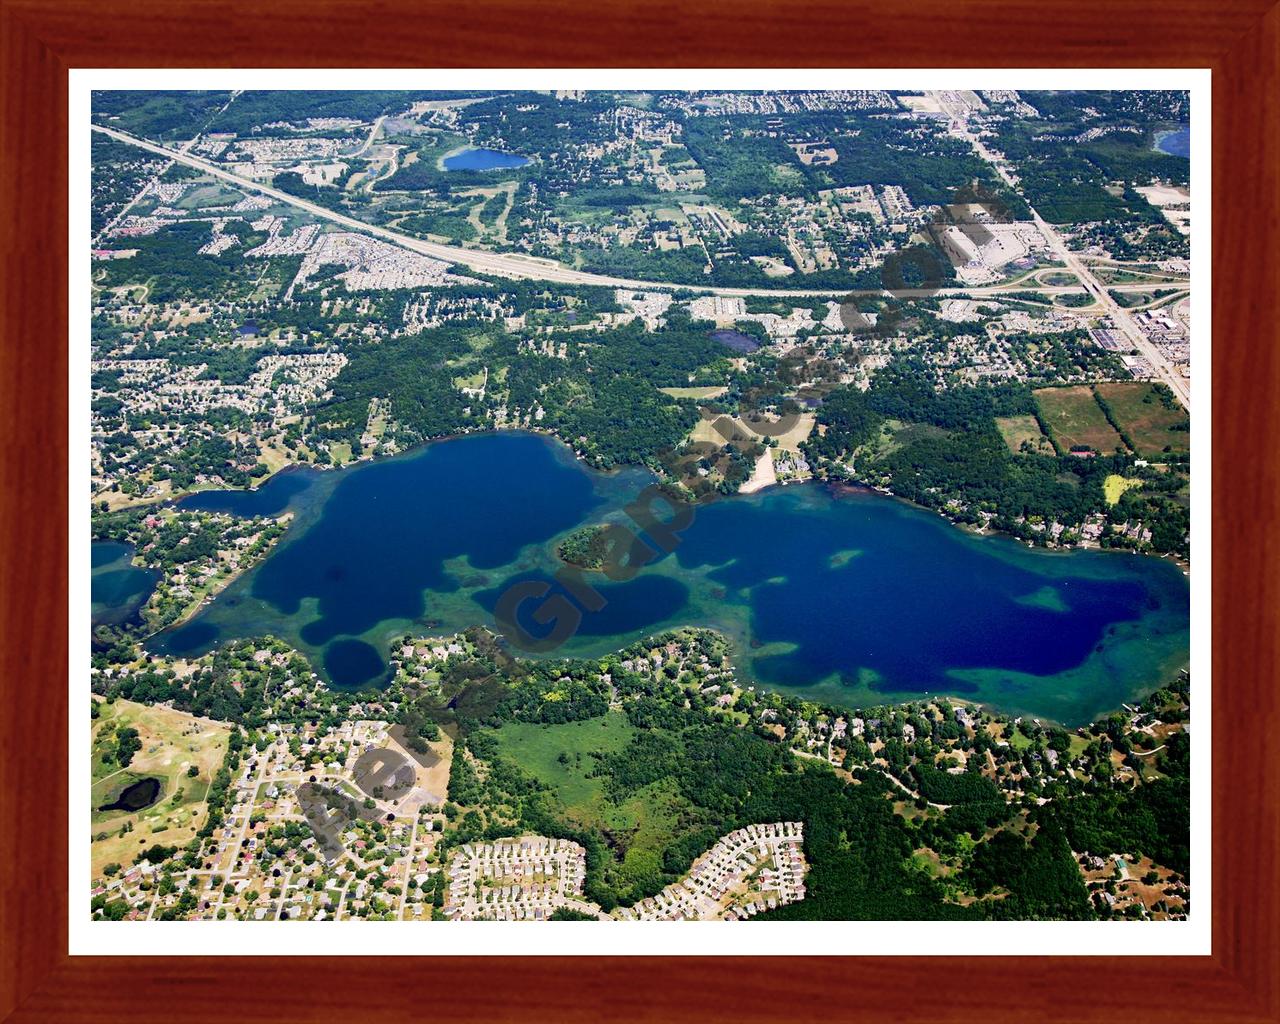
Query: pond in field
{"points": [[135, 796], [844, 595]]}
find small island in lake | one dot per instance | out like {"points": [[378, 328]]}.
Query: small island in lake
{"points": [[586, 548]]}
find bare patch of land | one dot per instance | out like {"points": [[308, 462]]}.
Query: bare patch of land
{"points": [[1017, 430]]}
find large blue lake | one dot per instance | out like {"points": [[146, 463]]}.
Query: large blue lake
{"points": [[483, 160], [846, 596]]}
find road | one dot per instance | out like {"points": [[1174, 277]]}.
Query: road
{"points": [[516, 265], [512, 265], [408, 869], [1165, 370], [156, 177], [243, 834], [373, 133]]}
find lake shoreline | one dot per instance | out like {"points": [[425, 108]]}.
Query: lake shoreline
{"points": [[991, 531], [759, 488], [471, 147], [148, 629], [208, 596], [1160, 134], [829, 608], [456, 151]]}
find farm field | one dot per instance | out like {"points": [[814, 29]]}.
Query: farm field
{"points": [[1143, 416], [1017, 429], [172, 742], [1075, 418]]}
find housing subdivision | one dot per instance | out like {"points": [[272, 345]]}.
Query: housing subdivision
{"points": [[752, 869]]}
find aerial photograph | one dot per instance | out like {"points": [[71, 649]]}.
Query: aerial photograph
{"points": [[581, 505]]}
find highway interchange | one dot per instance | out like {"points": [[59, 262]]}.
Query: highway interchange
{"points": [[516, 265], [1121, 317]]}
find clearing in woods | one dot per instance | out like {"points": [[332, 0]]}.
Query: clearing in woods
{"points": [[706, 392], [642, 822], [1019, 429], [1115, 485]]}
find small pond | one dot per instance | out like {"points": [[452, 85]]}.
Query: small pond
{"points": [[135, 796], [483, 160]]}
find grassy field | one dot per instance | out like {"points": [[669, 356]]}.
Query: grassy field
{"points": [[172, 742], [895, 434], [1074, 300], [1115, 485], [537, 749], [1074, 417], [1131, 300], [1142, 415], [640, 827], [788, 441], [1147, 273], [1017, 429], [1059, 279], [211, 193]]}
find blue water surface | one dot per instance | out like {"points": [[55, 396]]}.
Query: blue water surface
{"points": [[483, 160], [1176, 143], [844, 595]]}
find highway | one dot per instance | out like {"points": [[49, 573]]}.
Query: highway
{"points": [[515, 265], [373, 132], [1164, 369], [146, 185]]}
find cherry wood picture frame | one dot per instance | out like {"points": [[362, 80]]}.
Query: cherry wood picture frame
{"points": [[41, 39]]}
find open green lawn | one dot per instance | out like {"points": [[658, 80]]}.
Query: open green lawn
{"points": [[1074, 417], [1143, 415], [1017, 740], [537, 749]]}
